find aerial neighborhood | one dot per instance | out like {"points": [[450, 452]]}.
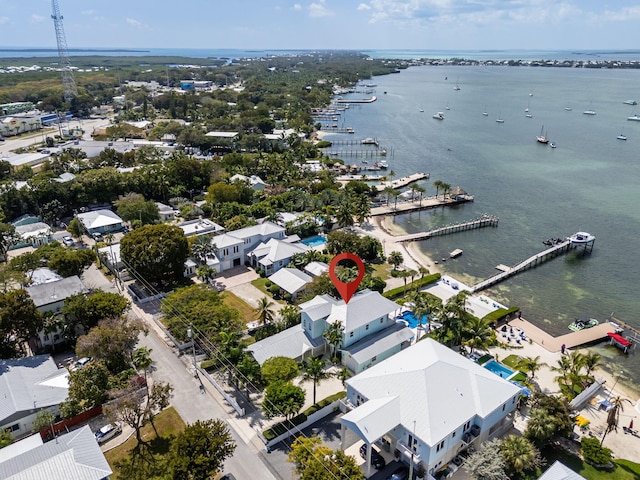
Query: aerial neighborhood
{"points": [[168, 289]]}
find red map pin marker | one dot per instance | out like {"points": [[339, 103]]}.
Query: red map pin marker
{"points": [[346, 290]]}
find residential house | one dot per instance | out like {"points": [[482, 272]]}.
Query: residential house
{"points": [[428, 403], [50, 297], [28, 385], [75, 455], [254, 181], [291, 280], [100, 221], [315, 269], [166, 212], [275, 254], [559, 471], [31, 232], [370, 332], [200, 226], [235, 246]]}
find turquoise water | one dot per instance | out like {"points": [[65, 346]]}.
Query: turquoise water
{"points": [[589, 183], [316, 241], [410, 317], [498, 369]]}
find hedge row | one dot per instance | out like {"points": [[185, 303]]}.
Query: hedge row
{"points": [[419, 283], [287, 425], [500, 314]]}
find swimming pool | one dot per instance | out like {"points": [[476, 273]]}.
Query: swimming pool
{"points": [[316, 241], [498, 369], [411, 319]]}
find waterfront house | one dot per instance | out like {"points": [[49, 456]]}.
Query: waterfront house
{"points": [[75, 455], [428, 404], [28, 385]]}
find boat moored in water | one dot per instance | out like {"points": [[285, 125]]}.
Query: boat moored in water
{"points": [[581, 238], [438, 116], [634, 118], [630, 102], [582, 323]]}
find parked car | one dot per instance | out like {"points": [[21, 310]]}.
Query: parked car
{"points": [[400, 473], [377, 460], [228, 476], [80, 363], [97, 236], [68, 241], [107, 432]]}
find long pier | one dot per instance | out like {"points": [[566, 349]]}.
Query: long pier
{"points": [[530, 262], [374, 153], [403, 182], [483, 221], [416, 206]]}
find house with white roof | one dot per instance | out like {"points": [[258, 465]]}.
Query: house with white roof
{"points": [[315, 269], [28, 385], [370, 333], [291, 280], [559, 471], [254, 181], [234, 247], [73, 456], [200, 226], [100, 221], [428, 403], [275, 254], [166, 212], [31, 232]]}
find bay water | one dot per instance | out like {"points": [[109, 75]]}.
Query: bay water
{"points": [[590, 182]]}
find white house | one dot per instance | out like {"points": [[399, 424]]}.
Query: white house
{"points": [[28, 385], [275, 254], [291, 280], [166, 212], [559, 471], [430, 403], [254, 181], [100, 221], [75, 455], [316, 269], [234, 247], [32, 232], [370, 333], [200, 226]]}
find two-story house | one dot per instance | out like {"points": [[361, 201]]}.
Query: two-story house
{"points": [[370, 332], [428, 403]]}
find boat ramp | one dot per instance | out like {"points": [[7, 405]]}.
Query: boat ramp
{"points": [[483, 221]]}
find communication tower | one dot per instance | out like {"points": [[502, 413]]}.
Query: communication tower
{"points": [[68, 82]]}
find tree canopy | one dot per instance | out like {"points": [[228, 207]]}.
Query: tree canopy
{"points": [[88, 310], [279, 369], [155, 252], [20, 320]]}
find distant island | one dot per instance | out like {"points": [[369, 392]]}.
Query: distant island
{"points": [[55, 50]]}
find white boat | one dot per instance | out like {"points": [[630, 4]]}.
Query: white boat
{"points": [[447, 107], [553, 144], [370, 141], [486, 114], [589, 112], [630, 102], [438, 116], [457, 87], [528, 115], [568, 109], [580, 238], [542, 138], [421, 110], [456, 253], [500, 119], [634, 118], [621, 137]]}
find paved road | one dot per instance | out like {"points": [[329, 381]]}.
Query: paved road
{"points": [[192, 405]]}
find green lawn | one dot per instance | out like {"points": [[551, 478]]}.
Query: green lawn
{"points": [[625, 469], [260, 284], [511, 361], [168, 423], [381, 270], [233, 301]]}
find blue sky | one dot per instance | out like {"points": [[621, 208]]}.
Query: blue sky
{"points": [[327, 24]]}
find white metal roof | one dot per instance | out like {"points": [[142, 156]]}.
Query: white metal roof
{"points": [[438, 388], [374, 418], [380, 342], [363, 308], [559, 471], [291, 343], [291, 280], [98, 219]]}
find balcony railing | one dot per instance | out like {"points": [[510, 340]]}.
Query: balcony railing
{"points": [[407, 452]]}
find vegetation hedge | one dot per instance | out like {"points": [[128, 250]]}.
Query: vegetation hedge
{"points": [[419, 283], [500, 314], [323, 144], [595, 454], [286, 425]]}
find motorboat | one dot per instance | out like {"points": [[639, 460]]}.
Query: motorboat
{"points": [[499, 120], [528, 115], [568, 109], [589, 112], [370, 141], [621, 137], [582, 323], [634, 118], [382, 164], [486, 114], [553, 145], [438, 116], [630, 102], [421, 110], [581, 238], [542, 138]]}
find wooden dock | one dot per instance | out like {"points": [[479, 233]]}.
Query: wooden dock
{"points": [[403, 182], [530, 262], [410, 206], [569, 340], [373, 153], [483, 221]]}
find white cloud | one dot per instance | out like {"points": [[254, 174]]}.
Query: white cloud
{"points": [[624, 14], [35, 18], [297, 6], [364, 6], [136, 23], [4, 20], [319, 9]]}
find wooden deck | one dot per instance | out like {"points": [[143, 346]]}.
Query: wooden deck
{"points": [[404, 181], [483, 221], [416, 205], [569, 340]]}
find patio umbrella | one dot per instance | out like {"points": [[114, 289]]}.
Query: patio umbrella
{"points": [[631, 424]]}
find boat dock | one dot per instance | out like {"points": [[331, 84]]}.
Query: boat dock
{"points": [[335, 129], [416, 206], [483, 221], [569, 340], [530, 262], [373, 153], [358, 100], [404, 181], [366, 141]]}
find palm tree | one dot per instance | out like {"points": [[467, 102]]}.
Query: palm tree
{"points": [[264, 311], [404, 274], [591, 361], [421, 191], [395, 194], [290, 315], [478, 334], [423, 271], [519, 454], [344, 216], [395, 258], [333, 336], [541, 426], [388, 191], [617, 406], [203, 248], [313, 370], [438, 185], [142, 361], [531, 365]]}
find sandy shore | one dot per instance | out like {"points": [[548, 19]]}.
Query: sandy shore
{"points": [[623, 445]]}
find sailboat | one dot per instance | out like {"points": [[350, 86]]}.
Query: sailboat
{"points": [[621, 136], [485, 113], [447, 107], [457, 87], [500, 119], [542, 138]]}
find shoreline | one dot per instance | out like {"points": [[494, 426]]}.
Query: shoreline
{"points": [[384, 228]]}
